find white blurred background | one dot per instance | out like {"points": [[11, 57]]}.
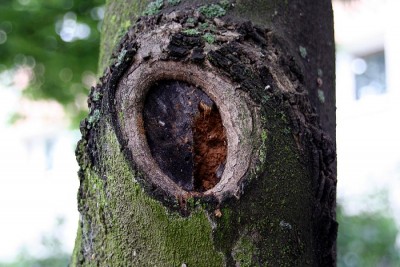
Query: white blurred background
{"points": [[38, 174], [368, 100]]}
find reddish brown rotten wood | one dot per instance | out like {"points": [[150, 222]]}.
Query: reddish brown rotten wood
{"points": [[185, 134]]}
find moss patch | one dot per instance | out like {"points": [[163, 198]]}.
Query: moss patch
{"points": [[213, 10], [303, 51], [153, 8], [192, 32], [174, 2], [118, 18], [243, 252], [137, 223], [209, 38]]}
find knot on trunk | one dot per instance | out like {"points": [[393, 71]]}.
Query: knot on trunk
{"points": [[191, 128]]}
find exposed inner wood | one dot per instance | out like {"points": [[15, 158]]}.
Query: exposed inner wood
{"points": [[185, 134], [209, 147]]}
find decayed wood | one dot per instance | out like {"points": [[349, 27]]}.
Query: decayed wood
{"points": [[185, 135], [229, 103]]}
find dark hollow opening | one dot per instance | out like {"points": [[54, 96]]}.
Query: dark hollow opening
{"points": [[185, 134]]}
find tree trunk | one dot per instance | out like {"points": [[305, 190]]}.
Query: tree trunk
{"points": [[210, 138]]}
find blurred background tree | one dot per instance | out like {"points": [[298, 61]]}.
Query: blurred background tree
{"points": [[368, 236], [57, 42], [367, 239]]}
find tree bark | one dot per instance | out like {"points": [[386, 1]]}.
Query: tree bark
{"points": [[210, 138]]}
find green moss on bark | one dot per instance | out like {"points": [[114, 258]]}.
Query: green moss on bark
{"points": [[270, 225], [76, 255], [124, 219], [244, 252], [118, 18], [250, 229]]}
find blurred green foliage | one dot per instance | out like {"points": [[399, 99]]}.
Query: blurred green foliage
{"points": [[54, 255], [367, 239], [24, 259], [59, 40]]}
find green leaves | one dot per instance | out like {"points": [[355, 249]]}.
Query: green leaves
{"points": [[59, 42], [367, 239]]}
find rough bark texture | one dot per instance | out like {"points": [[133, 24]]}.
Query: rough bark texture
{"points": [[266, 68]]}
